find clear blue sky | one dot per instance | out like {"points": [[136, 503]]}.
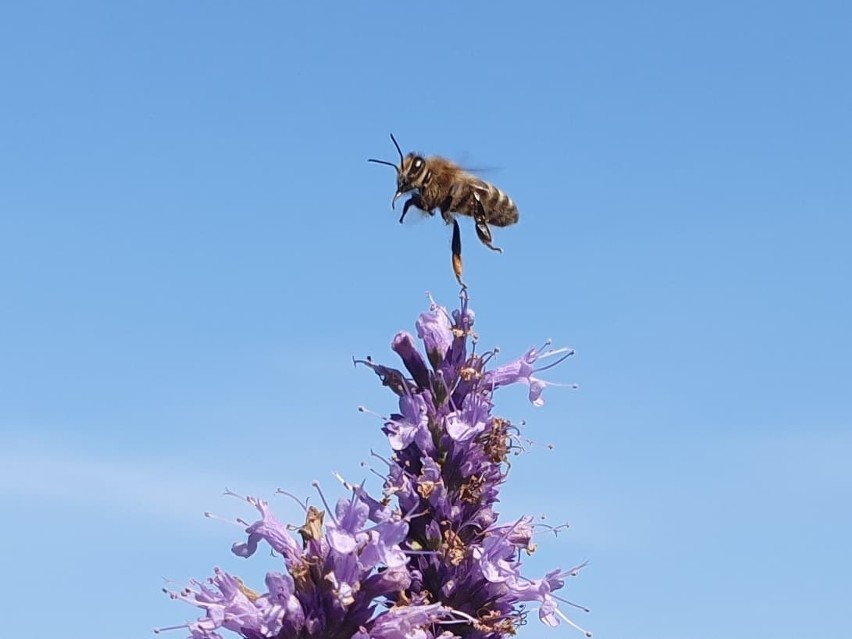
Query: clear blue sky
{"points": [[193, 246]]}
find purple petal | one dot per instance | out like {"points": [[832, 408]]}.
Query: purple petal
{"points": [[403, 345], [271, 530], [436, 331]]}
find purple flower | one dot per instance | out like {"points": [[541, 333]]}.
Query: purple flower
{"points": [[268, 529], [426, 559], [436, 331], [412, 422], [232, 606], [403, 345], [496, 559], [450, 456], [521, 370]]}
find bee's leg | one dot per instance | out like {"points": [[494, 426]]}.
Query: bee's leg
{"points": [[457, 259], [414, 200], [446, 206], [483, 232]]}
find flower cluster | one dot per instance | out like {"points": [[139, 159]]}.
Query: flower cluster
{"points": [[428, 559]]}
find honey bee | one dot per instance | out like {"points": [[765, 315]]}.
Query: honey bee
{"points": [[443, 185]]}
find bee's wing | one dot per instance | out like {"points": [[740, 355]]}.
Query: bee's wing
{"points": [[481, 170], [476, 169]]}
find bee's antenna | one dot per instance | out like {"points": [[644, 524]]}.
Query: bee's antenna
{"points": [[383, 162], [398, 150]]}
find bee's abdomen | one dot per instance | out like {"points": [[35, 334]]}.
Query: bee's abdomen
{"points": [[500, 209]]}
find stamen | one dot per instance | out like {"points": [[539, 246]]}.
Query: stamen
{"points": [[303, 505], [573, 572], [236, 521], [233, 522], [340, 478], [328, 509], [572, 624], [554, 529], [377, 456], [571, 603], [167, 628], [374, 471], [489, 355], [568, 353], [547, 343], [442, 309], [184, 596], [230, 493], [367, 411]]}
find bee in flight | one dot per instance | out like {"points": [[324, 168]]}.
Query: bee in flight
{"points": [[441, 184]]}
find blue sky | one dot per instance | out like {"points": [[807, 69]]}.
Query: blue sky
{"points": [[193, 247]]}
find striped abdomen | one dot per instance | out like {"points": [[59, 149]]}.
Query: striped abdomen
{"points": [[500, 209]]}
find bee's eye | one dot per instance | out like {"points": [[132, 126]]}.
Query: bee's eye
{"points": [[417, 163]]}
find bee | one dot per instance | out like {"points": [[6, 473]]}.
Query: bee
{"points": [[441, 184]]}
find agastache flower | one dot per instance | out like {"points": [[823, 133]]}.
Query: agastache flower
{"points": [[427, 559], [450, 456], [521, 371]]}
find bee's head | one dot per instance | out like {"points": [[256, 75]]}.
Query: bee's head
{"points": [[409, 173]]}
